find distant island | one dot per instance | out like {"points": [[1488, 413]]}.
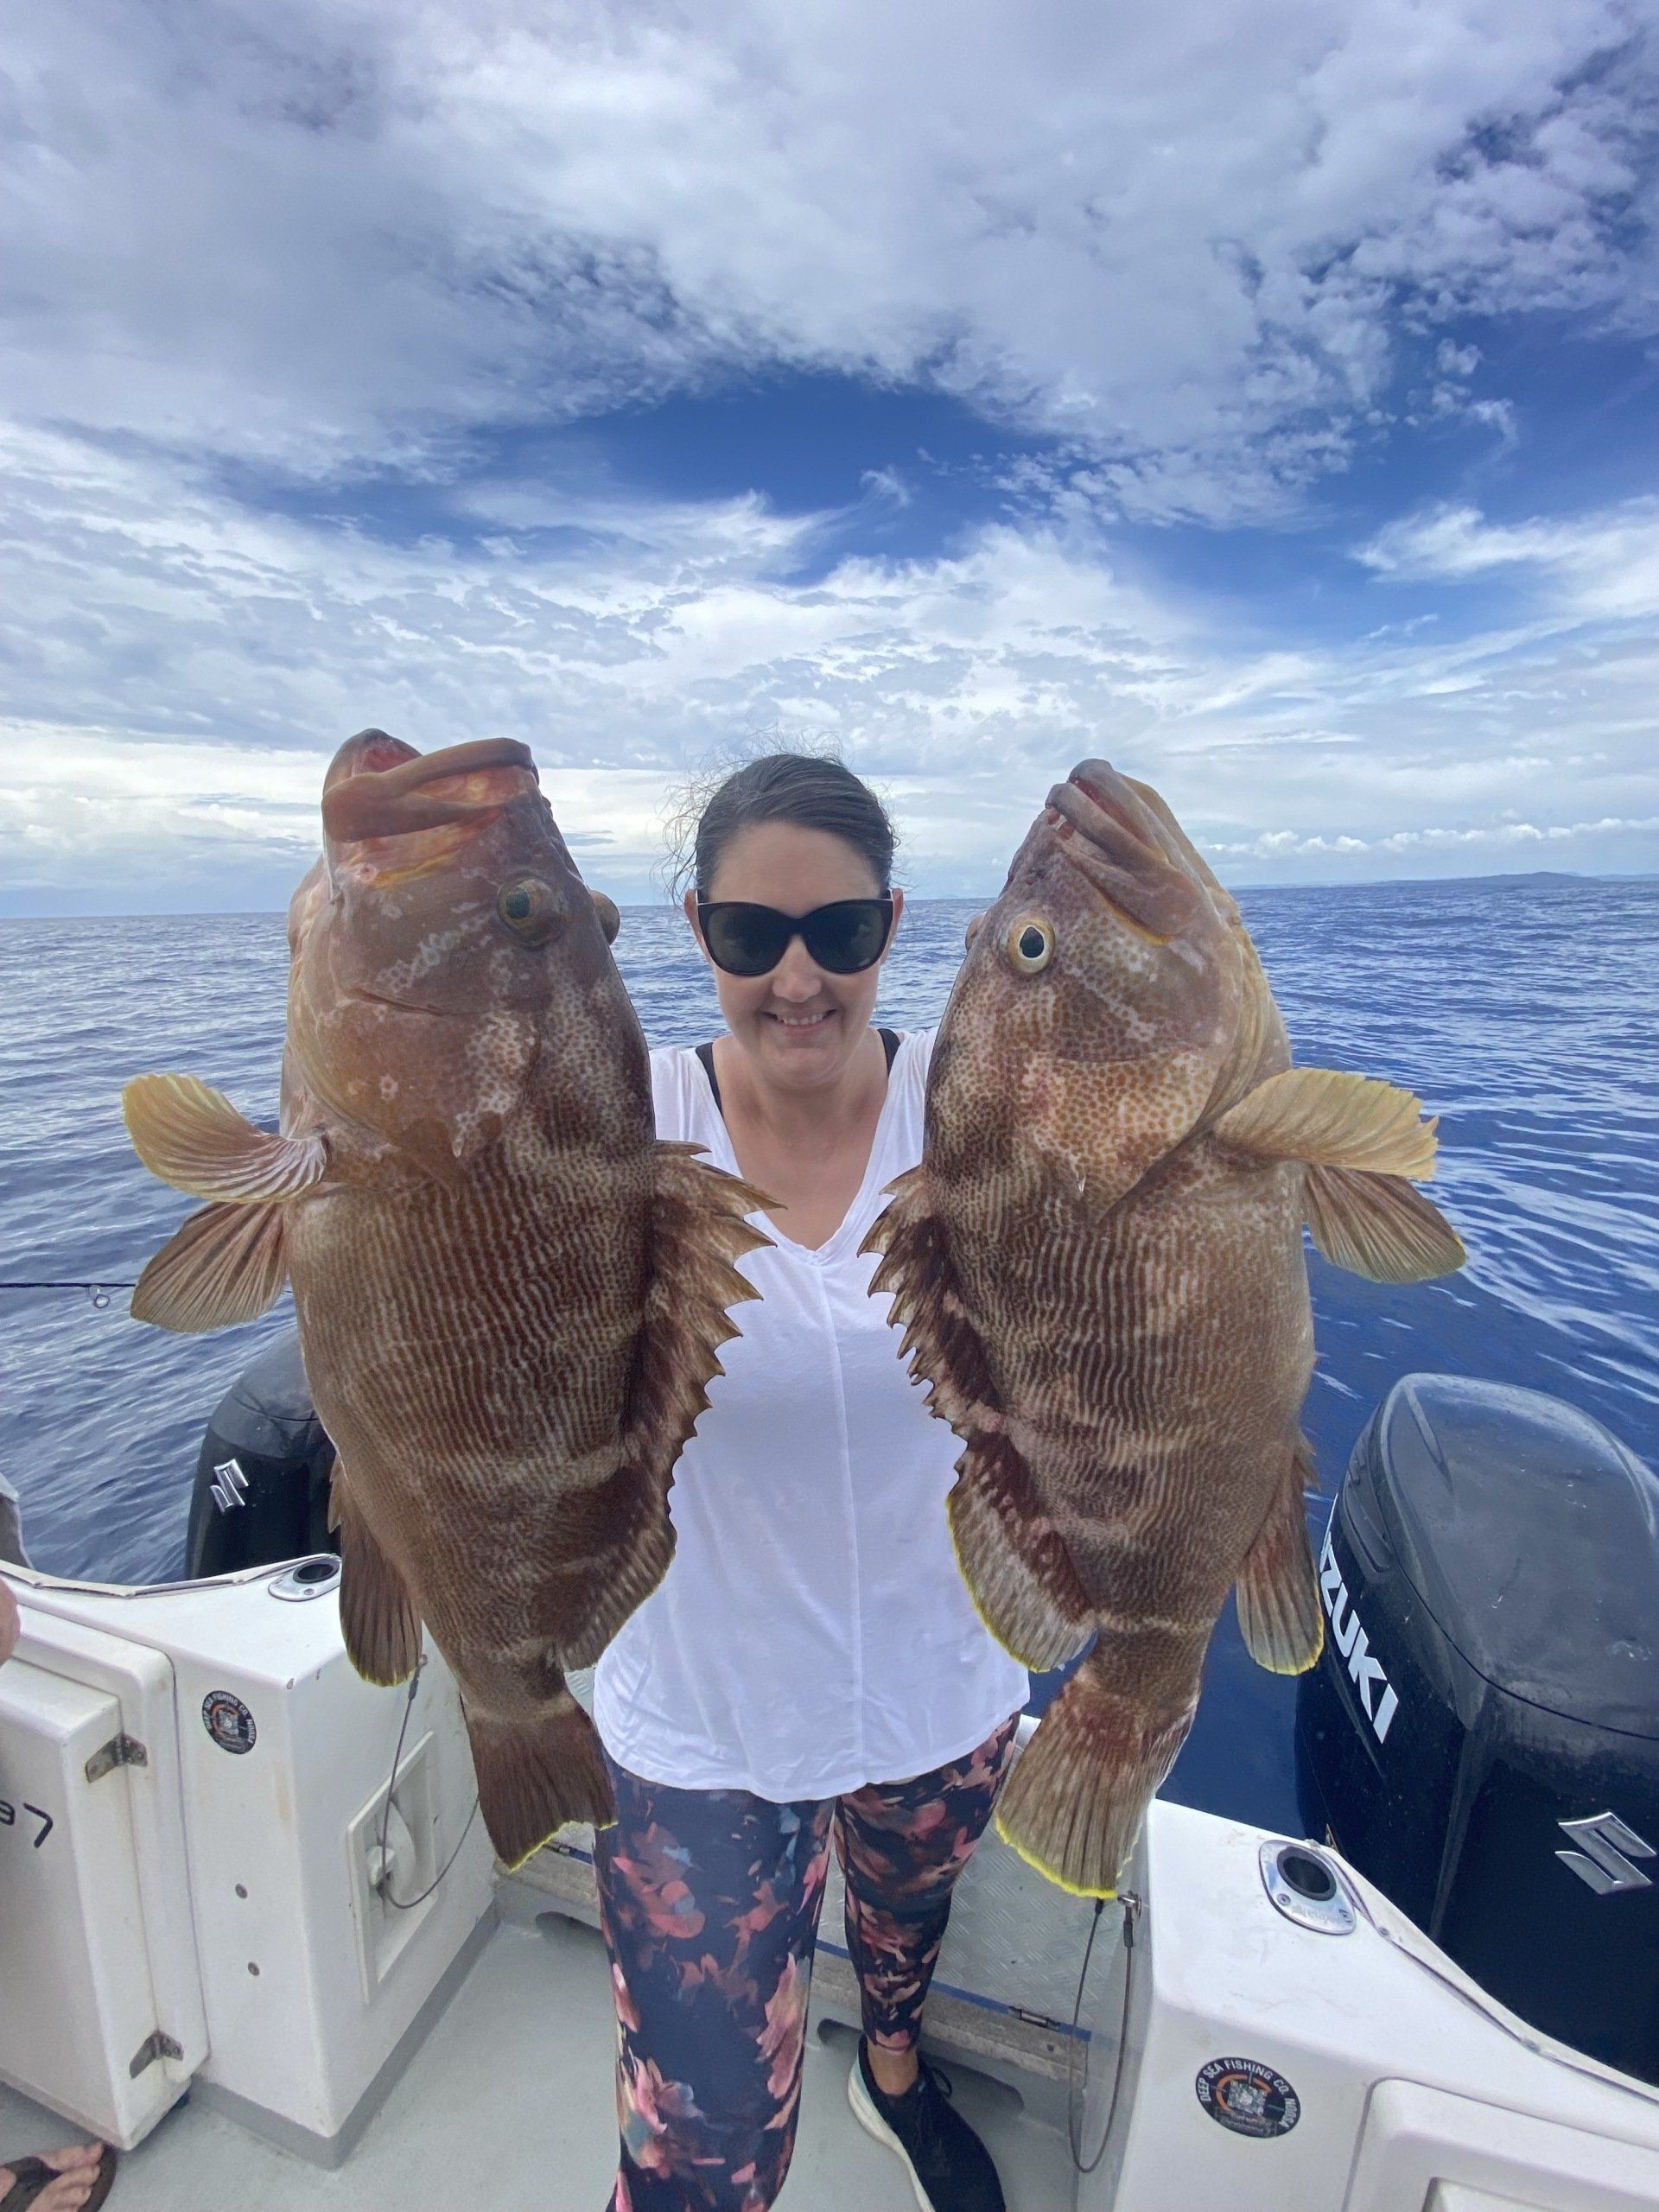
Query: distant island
{"points": [[1517, 878]]}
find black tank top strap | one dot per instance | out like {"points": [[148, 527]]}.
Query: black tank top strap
{"points": [[706, 1054], [891, 1041]]}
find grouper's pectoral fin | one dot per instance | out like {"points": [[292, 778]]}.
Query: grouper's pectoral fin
{"points": [[621, 1539], [1012, 1559], [191, 1137], [226, 1264], [229, 1261], [1378, 1226], [1363, 1143], [376, 1616], [1277, 1592]]}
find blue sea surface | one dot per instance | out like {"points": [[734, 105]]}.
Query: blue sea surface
{"points": [[1523, 1010]]}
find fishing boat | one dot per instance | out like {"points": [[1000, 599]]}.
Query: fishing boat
{"points": [[252, 1930]]}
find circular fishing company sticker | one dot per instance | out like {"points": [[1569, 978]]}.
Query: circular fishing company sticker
{"points": [[1247, 2097], [228, 1721]]}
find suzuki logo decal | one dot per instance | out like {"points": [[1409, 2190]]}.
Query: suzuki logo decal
{"points": [[1602, 1863], [231, 1488], [1376, 1696]]}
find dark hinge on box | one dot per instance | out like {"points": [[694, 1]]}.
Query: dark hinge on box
{"points": [[155, 2045], [120, 1750]]}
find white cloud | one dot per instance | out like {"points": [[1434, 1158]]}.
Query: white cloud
{"points": [[1454, 360], [181, 670], [1278, 844], [1601, 565], [1185, 239]]}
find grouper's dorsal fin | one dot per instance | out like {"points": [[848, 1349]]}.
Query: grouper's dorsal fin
{"points": [[194, 1137], [1363, 1143], [698, 1232], [1012, 1559]]}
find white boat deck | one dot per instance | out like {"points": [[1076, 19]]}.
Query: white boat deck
{"points": [[508, 2105]]}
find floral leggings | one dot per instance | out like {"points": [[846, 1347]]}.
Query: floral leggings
{"points": [[709, 1902]]}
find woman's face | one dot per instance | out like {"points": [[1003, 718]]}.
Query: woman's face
{"points": [[801, 1025]]}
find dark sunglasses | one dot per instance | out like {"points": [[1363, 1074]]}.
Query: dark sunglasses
{"points": [[844, 937]]}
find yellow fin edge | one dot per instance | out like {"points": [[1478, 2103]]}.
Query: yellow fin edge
{"points": [[1072, 1889], [985, 1621], [1019, 1849], [1290, 1673]]}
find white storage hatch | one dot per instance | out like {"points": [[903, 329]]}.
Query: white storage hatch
{"points": [[96, 1937], [1425, 2150]]}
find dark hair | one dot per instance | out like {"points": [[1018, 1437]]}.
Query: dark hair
{"points": [[811, 792]]}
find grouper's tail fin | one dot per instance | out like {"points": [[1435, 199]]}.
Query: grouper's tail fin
{"points": [[535, 1775], [1073, 1804]]}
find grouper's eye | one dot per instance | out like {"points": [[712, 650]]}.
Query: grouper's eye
{"points": [[530, 908], [1031, 946]]}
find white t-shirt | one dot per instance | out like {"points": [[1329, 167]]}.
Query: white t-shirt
{"points": [[813, 1632]]}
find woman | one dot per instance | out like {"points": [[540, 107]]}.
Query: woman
{"points": [[812, 1664]]}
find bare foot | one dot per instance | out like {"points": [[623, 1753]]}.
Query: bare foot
{"points": [[77, 2170]]}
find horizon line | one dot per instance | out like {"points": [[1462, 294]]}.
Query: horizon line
{"points": [[943, 899]]}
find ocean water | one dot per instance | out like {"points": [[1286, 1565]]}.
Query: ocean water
{"points": [[1523, 1010]]}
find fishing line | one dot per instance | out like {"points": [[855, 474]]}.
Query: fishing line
{"points": [[1075, 2090], [408, 1904], [100, 1290]]}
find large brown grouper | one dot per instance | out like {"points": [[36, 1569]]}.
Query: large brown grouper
{"points": [[1099, 1266], [510, 1293]]}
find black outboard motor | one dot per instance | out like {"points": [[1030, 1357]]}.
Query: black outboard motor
{"points": [[1480, 1736], [262, 1481]]}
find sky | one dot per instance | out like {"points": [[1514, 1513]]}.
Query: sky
{"points": [[1258, 394]]}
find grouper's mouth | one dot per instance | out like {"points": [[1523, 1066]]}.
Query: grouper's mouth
{"points": [[1109, 836], [391, 813]]}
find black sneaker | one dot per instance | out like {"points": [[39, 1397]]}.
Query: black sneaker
{"points": [[950, 2168]]}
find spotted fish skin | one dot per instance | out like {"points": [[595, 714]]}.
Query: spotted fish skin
{"points": [[510, 1294], [1099, 1266]]}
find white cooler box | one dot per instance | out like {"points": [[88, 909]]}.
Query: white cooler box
{"points": [[192, 1887]]}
